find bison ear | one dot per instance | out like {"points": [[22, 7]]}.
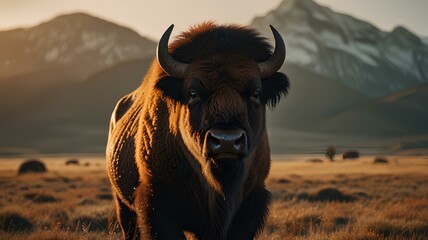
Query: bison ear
{"points": [[171, 87], [274, 87]]}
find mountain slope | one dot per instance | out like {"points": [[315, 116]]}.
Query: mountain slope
{"points": [[371, 61], [74, 41], [76, 120], [41, 62], [312, 98], [403, 113], [294, 125], [49, 99]]}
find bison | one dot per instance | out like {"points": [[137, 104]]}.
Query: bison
{"points": [[188, 149]]}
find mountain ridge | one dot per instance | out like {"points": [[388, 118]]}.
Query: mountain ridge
{"points": [[343, 47], [71, 40]]}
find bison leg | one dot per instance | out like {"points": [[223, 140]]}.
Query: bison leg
{"points": [[159, 218], [127, 220], [250, 217]]}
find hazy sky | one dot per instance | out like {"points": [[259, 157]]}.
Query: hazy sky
{"points": [[152, 17]]}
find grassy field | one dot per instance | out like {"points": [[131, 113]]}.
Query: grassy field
{"points": [[341, 200]]}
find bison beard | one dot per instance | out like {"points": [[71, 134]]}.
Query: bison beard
{"points": [[227, 174], [188, 149]]}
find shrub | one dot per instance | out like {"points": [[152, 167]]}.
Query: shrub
{"points": [[326, 195], [380, 160], [40, 198], [283, 181], [15, 222], [32, 166], [351, 154], [315, 160], [341, 220], [72, 162], [333, 194]]}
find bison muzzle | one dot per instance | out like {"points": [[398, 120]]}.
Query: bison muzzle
{"points": [[188, 149]]}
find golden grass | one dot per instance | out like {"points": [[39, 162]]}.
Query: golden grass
{"points": [[342, 200]]}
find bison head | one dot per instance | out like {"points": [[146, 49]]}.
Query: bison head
{"points": [[218, 83]]}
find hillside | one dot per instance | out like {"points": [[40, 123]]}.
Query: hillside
{"points": [[312, 98], [403, 113], [76, 120]]}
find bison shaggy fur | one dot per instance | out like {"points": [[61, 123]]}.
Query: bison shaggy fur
{"points": [[188, 149]]}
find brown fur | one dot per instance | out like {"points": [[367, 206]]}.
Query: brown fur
{"points": [[162, 180]]}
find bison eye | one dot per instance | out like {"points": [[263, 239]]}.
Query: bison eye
{"points": [[256, 95], [193, 94]]}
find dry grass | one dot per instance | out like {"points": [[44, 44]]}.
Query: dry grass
{"points": [[342, 200], [349, 200], [68, 202]]}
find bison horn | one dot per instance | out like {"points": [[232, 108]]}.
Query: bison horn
{"points": [[274, 63], [166, 61]]}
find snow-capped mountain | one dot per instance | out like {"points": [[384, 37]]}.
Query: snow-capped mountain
{"points": [[80, 42], [371, 61]]}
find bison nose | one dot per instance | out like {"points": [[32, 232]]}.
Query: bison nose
{"points": [[230, 143]]}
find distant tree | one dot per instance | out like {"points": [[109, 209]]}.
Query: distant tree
{"points": [[330, 152]]}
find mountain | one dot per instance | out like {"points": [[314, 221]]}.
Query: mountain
{"points": [[339, 46], [52, 97], [40, 62], [319, 112], [70, 42]]}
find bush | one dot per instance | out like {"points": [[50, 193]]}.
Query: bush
{"points": [[72, 162], [32, 166], [333, 194], [283, 181], [315, 160], [351, 155], [380, 160], [14, 222], [326, 195], [40, 198]]}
